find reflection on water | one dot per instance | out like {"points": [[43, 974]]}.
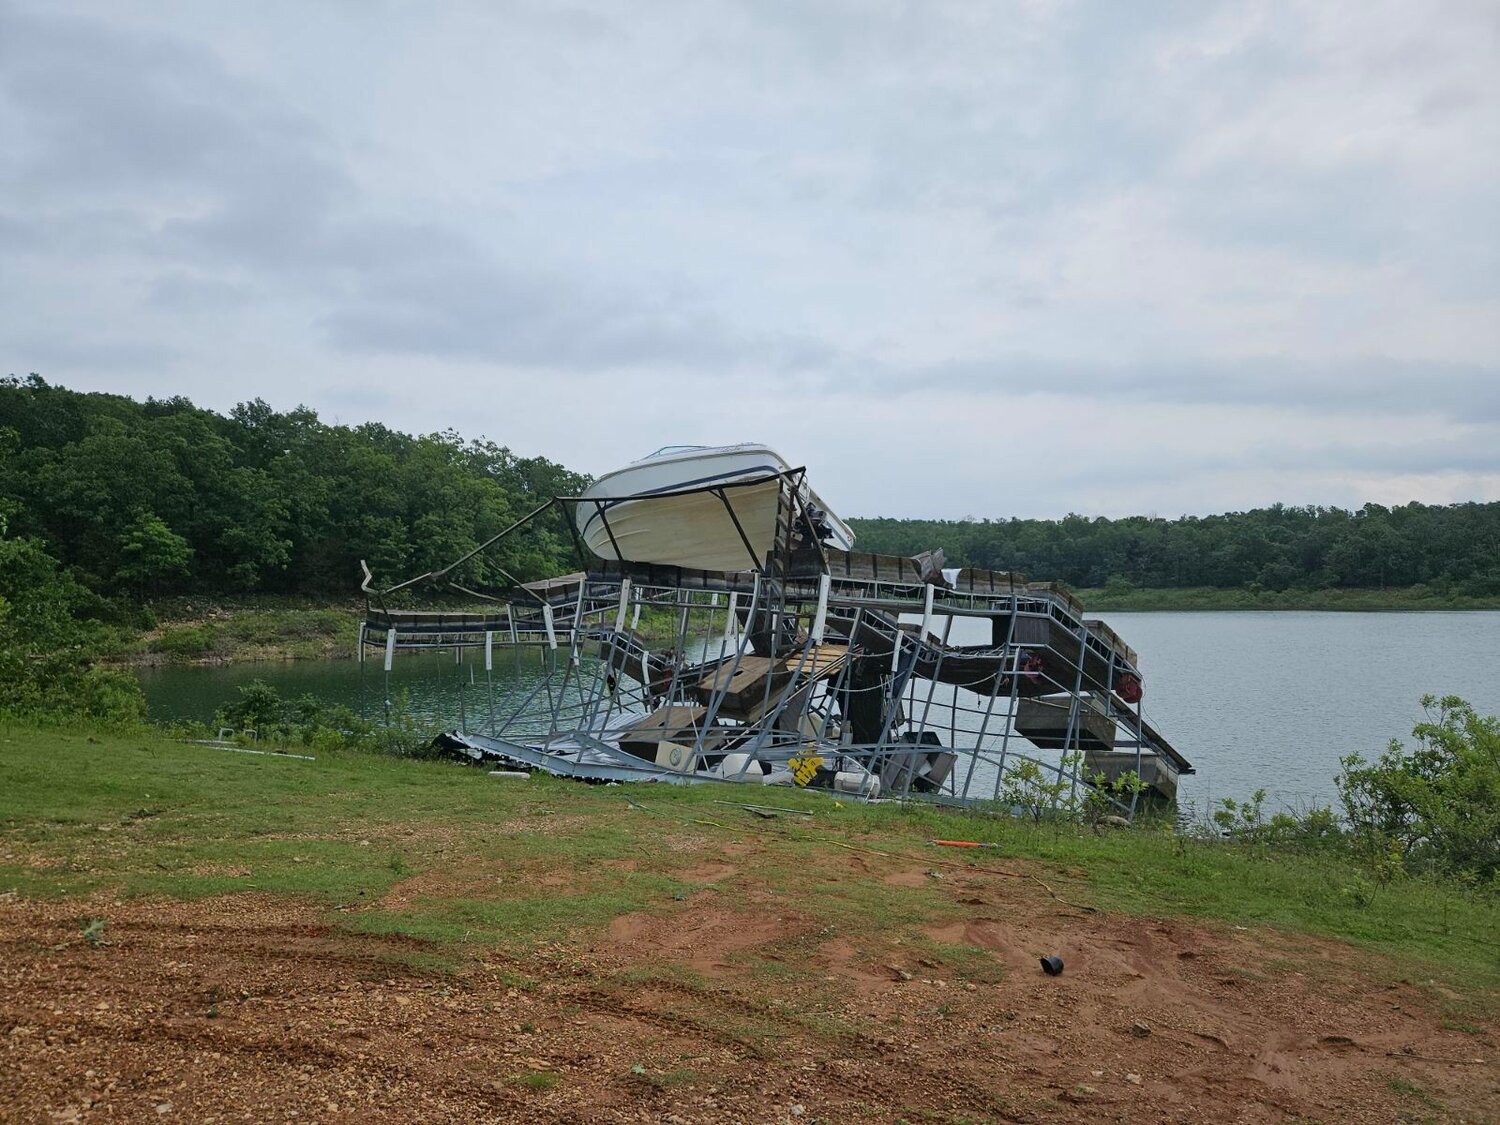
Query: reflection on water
{"points": [[1255, 700], [431, 685]]}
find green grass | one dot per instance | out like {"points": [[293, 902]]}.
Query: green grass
{"points": [[521, 863], [537, 1080], [1122, 599]]}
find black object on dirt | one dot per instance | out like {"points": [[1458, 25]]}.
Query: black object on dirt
{"points": [[1052, 965]]}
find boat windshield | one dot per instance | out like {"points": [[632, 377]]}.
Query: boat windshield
{"points": [[668, 450]]}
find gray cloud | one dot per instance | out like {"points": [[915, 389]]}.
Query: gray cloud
{"points": [[249, 187], [1363, 386], [101, 353], [1272, 224]]}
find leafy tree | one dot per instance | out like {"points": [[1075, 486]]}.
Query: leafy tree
{"points": [[49, 640], [151, 551]]}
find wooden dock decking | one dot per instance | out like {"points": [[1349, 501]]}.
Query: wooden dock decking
{"points": [[745, 687]]}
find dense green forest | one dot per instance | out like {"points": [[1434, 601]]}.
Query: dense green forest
{"points": [[156, 497], [1450, 548]]}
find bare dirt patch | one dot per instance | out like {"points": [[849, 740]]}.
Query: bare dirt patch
{"points": [[249, 1007], [704, 938]]}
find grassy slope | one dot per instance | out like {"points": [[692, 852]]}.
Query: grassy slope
{"points": [[136, 814]]}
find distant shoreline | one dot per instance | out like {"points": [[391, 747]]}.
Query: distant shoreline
{"points": [[208, 631], [1112, 600]]}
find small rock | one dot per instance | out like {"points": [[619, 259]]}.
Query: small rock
{"points": [[796, 1110], [1080, 1093], [1139, 1029], [1133, 1079], [164, 1108]]}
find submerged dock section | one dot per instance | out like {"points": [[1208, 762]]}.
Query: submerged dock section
{"points": [[813, 665]]}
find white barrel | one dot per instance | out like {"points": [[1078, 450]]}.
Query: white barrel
{"points": [[857, 782], [734, 764]]}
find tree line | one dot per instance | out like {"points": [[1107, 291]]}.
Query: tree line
{"points": [[136, 499], [1454, 547], [160, 497]]}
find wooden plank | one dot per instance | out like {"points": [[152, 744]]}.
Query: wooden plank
{"points": [[745, 687], [1002, 582], [675, 722]]}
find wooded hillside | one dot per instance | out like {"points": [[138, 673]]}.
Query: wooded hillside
{"points": [[163, 497]]}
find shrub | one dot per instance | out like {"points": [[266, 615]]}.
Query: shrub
{"points": [[306, 721], [1435, 805], [184, 641]]}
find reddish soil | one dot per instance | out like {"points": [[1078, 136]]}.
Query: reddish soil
{"points": [[251, 1008]]}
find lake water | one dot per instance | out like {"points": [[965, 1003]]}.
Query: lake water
{"points": [[1254, 700]]}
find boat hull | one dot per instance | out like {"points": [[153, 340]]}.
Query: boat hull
{"points": [[663, 510]]}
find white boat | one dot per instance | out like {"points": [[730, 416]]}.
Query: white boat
{"points": [[663, 508]]}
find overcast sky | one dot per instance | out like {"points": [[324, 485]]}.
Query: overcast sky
{"points": [[982, 259]]}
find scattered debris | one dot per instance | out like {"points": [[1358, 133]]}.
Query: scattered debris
{"points": [[767, 808], [961, 844]]}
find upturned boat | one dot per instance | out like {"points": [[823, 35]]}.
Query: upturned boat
{"points": [[697, 506]]}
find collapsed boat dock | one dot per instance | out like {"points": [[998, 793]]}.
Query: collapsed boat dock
{"points": [[811, 664]]}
